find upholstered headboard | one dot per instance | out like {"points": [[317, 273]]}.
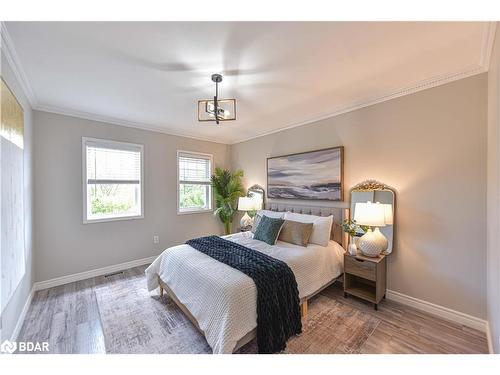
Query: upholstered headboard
{"points": [[339, 214]]}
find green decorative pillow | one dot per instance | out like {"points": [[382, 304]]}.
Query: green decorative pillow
{"points": [[268, 230], [256, 221]]}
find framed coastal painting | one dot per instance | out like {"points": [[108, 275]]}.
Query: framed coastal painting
{"points": [[314, 175]]}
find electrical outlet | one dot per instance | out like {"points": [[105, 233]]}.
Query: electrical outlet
{"points": [[156, 239]]}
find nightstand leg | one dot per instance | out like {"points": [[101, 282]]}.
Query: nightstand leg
{"points": [[375, 306], [384, 296]]}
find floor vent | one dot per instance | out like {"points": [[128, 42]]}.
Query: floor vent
{"points": [[113, 274]]}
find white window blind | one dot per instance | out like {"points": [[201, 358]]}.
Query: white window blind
{"points": [[194, 186], [107, 165], [194, 168], [113, 188]]}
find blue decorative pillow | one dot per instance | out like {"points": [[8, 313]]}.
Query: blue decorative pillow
{"points": [[268, 230]]}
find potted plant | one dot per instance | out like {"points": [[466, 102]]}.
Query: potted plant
{"points": [[227, 189], [351, 228]]}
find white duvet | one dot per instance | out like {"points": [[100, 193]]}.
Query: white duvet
{"points": [[224, 300]]}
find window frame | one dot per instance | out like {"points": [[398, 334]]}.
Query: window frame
{"points": [[211, 199], [116, 145]]}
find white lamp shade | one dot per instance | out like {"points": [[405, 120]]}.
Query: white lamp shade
{"points": [[389, 216], [249, 204], [245, 204], [256, 203], [371, 214]]}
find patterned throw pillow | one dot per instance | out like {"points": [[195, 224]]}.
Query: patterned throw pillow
{"points": [[271, 214], [296, 233], [256, 221], [268, 230]]}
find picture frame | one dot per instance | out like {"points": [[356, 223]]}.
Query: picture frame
{"points": [[309, 175]]}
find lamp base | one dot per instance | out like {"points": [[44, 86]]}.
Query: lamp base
{"points": [[246, 221], [372, 243]]}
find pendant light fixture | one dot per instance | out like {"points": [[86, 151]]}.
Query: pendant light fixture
{"points": [[217, 109]]}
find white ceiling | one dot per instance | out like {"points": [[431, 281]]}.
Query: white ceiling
{"points": [[151, 74]]}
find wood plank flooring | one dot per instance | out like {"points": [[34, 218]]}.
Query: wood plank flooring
{"points": [[68, 318]]}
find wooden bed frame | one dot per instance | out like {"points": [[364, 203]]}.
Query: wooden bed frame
{"points": [[339, 214]]}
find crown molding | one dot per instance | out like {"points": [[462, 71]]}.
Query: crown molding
{"points": [[422, 85], [8, 49], [117, 121], [488, 37], [407, 90]]}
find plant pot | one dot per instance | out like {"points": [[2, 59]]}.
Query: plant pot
{"points": [[227, 227]]}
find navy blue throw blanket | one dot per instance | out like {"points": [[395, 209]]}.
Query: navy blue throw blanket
{"points": [[278, 304]]}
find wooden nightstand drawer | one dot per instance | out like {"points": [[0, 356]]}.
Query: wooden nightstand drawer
{"points": [[365, 277], [360, 267]]}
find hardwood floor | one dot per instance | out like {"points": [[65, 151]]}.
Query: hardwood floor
{"points": [[68, 318]]}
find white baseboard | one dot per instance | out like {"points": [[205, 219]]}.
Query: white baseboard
{"points": [[92, 273], [22, 316], [441, 311], [431, 308], [489, 338]]}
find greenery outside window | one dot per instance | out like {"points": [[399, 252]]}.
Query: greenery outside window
{"points": [[194, 190], [112, 180]]}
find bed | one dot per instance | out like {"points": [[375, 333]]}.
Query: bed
{"points": [[221, 301]]}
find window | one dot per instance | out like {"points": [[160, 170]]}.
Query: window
{"points": [[194, 190], [112, 180]]}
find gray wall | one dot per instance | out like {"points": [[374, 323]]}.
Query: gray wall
{"points": [[431, 147], [11, 312], [64, 245], [493, 227]]}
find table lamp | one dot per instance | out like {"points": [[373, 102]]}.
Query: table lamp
{"points": [[389, 216], [373, 242], [248, 204]]}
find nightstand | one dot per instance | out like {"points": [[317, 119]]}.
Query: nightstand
{"points": [[365, 277]]}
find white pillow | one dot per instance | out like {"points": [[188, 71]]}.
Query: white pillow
{"points": [[322, 226], [271, 214]]}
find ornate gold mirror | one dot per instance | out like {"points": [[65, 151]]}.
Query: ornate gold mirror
{"points": [[374, 202], [257, 192]]}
